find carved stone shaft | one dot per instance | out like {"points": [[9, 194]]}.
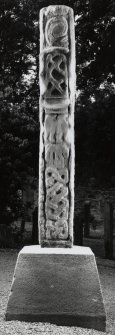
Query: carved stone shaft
{"points": [[56, 157]]}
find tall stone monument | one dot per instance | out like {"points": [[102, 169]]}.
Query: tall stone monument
{"points": [[56, 282], [57, 91]]}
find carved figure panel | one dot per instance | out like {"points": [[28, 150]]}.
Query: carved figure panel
{"points": [[56, 128], [57, 155]]}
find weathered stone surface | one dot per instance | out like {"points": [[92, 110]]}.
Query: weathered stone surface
{"points": [[57, 89], [55, 75], [58, 285], [56, 128]]}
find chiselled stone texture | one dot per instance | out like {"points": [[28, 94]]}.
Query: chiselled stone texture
{"points": [[57, 84], [56, 128], [56, 28], [42, 292], [55, 77]]}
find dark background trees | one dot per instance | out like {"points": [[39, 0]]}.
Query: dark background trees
{"points": [[95, 117], [19, 95], [19, 92]]}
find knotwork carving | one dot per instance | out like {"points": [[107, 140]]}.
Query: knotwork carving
{"points": [[56, 192], [53, 175], [55, 78], [56, 31], [57, 204], [56, 230], [56, 121], [60, 212]]}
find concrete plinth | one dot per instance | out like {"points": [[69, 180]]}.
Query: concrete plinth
{"points": [[57, 285]]}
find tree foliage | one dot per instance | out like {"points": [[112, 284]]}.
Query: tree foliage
{"points": [[19, 93], [95, 99]]}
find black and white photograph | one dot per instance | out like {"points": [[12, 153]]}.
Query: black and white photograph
{"points": [[57, 167]]}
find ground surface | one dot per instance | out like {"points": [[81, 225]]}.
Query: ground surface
{"points": [[107, 277]]}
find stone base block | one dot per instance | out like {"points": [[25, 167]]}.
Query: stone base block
{"points": [[57, 285]]}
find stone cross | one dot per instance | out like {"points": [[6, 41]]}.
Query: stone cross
{"points": [[56, 285], [56, 157]]}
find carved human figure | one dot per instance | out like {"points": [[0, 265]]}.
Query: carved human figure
{"points": [[56, 128]]}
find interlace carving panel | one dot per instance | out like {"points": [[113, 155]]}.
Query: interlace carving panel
{"points": [[55, 75], [56, 159]]}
